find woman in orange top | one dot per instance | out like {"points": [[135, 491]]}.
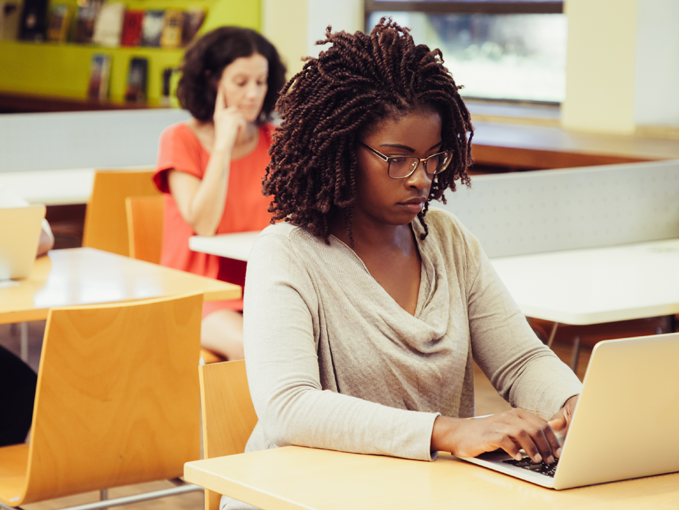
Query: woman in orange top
{"points": [[211, 167]]}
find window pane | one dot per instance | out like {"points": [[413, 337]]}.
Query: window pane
{"points": [[496, 56]]}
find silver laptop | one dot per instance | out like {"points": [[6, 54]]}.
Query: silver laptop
{"points": [[19, 237], [626, 421]]}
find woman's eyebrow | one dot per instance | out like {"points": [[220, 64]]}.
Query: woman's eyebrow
{"points": [[405, 147]]}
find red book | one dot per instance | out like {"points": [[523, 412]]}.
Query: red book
{"points": [[132, 25]]}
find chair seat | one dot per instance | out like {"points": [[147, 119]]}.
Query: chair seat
{"points": [[13, 473]]}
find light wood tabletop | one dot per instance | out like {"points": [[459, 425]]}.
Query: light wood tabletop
{"points": [[307, 478], [81, 276]]}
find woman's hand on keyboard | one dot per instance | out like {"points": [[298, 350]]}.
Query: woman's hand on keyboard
{"points": [[562, 419], [510, 431]]}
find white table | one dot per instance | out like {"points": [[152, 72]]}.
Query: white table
{"points": [[578, 287], [50, 187], [54, 187], [233, 246], [596, 285]]}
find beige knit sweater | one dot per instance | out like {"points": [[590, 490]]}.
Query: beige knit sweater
{"points": [[334, 362]]}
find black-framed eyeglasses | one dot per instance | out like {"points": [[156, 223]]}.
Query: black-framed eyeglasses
{"points": [[402, 167]]}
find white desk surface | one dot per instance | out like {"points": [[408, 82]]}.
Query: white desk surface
{"points": [[54, 187], [589, 286], [233, 246], [596, 285], [299, 478], [50, 187]]}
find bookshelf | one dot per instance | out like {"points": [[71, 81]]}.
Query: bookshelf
{"points": [[61, 70]]}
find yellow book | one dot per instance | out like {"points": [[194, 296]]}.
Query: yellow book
{"points": [[60, 19], [171, 36]]}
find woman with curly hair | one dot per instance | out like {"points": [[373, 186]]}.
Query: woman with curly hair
{"points": [[211, 167], [365, 308]]}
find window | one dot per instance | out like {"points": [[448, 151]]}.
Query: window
{"points": [[497, 49]]}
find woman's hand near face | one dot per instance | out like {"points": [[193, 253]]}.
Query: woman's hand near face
{"points": [[510, 431], [229, 121]]}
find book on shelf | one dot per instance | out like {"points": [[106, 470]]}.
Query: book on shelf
{"points": [[152, 27], [108, 26], [132, 24], [171, 36], [100, 69], [10, 14], [137, 73], [60, 21], [193, 20], [167, 86], [86, 16], [33, 24]]}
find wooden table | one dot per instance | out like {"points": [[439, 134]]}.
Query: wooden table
{"points": [[81, 276], [307, 478]]}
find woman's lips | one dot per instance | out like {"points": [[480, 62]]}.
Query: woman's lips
{"points": [[412, 206]]}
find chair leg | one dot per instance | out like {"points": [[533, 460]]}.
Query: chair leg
{"points": [[23, 327], [552, 334], [103, 496], [575, 355]]}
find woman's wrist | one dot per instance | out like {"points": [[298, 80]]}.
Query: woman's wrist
{"points": [[443, 433]]}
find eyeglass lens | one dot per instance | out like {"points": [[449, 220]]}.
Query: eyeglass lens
{"points": [[404, 166]]}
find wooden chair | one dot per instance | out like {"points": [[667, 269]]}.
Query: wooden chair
{"points": [[145, 227], [117, 402], [105, 217], [145, 238], [228, 413]]}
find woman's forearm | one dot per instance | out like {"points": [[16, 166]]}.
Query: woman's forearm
{"points": [[207, 206], [201, 202]]}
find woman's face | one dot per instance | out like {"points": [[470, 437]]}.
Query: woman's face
{"points": [[381, 199], [244, 84]]}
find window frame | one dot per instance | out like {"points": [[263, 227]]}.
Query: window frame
{"points": [[475, 7], [466, 6]]}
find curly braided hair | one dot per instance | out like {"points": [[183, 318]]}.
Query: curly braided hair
{"points": [[358, 81]]}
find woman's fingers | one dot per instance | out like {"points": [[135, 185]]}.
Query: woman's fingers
{"points": [[219, 104], [511, 431], [536, 437]]}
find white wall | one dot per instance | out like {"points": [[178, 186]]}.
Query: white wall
{"points": [[656, 95], [622, 69], [600, 65], [294, 26]]}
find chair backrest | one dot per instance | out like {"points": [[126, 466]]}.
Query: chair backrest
{"points": [[117, 400], [105, 217], [145, 227], [145, 235], [228, 413]]}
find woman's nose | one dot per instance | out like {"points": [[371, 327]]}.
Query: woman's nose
{"points": [[420, 179], [251, 90]]}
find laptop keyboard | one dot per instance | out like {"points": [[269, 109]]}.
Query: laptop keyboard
{"points": [[539, 467]]}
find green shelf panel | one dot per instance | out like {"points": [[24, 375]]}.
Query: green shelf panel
{"points": [[63, 69]]}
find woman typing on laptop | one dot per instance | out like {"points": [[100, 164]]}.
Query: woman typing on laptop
{"points": [[365, 308]]}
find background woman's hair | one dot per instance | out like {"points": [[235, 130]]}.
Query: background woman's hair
{"points": [[205, 60], [353, 84]]}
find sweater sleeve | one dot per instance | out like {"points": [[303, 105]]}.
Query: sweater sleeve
{"points": [[522, 369], [281, 324]]}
